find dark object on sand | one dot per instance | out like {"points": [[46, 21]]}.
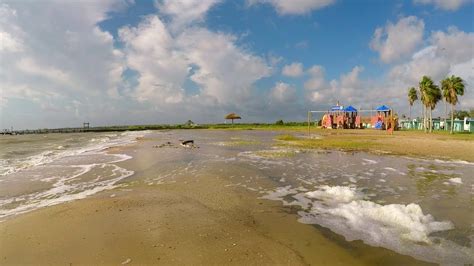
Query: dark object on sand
{"points": [[187, 142], [167, 144]]}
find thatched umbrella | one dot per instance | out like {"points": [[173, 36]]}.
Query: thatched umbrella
{"points": [[232, 116]]}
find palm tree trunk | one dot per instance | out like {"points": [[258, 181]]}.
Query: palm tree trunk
{"points": [[424, 119], [452, 118], [431, 120], [445, 114], [409, 117]]}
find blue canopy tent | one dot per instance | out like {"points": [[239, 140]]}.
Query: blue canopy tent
{"points": [[350, 109], [382, 108]]}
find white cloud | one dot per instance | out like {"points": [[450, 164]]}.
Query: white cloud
{"points": [[9, 43], [185, 12], [283, 93], [450, 5], [222, 71], [151, 51], [445, 52], [225, 71], [293, 70], [58, 56], [317, 80], [294, 7], [347, 89], [448, 53], [394, 41]]}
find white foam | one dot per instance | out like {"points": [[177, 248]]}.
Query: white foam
{"points": [[62, 192], [402, 228], [395, 226], [335, 194], [95, 146], [456, 180], [369, 161], [69, 187]]}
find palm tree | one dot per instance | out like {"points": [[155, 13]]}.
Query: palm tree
{"points": [[412, 98], [452, 87], [430, 95], [433, 99], [423, 87]]}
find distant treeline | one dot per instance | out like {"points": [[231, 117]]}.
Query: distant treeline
{"points": [[278, 124]]}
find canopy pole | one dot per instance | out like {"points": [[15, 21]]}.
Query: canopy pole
{"points": [[309, 124]]}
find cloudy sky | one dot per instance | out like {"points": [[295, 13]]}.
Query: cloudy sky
{"points": [[142, 62]]}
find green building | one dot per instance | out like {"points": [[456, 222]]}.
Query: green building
{"points": [[466, 125]]}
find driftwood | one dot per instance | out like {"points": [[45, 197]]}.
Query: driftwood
{"points": [[184, 143]]}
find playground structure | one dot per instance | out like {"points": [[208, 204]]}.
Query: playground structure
{"points": [[340, 117]]}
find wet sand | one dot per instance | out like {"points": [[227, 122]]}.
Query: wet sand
{"points": [[195, 219]]}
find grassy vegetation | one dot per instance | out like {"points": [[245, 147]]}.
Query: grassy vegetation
{"points": [[286, 137], [328, 142], [413, 143]]}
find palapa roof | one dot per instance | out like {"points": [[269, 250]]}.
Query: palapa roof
{"points": [[232, 116]]}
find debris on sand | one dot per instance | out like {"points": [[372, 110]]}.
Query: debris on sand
{"points": [[183, 143], [167, 144], [188, 144]]}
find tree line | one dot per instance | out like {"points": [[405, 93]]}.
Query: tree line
{"points": [[430, 94]]}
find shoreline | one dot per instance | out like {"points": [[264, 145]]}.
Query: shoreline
{"points": [[193, 220]]}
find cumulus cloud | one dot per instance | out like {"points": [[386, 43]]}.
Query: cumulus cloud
{"points": [[185, 12], [56, 57], [283, 93], [394, 41], [348, 87], [294, 7], [448, 53], [293, 70], [223, 71], [53, 52], [450, 5], [151, 51]]}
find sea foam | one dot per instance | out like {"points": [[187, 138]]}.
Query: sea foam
{"points": [[403, 228]]}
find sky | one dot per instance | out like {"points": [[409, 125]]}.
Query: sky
{"points": [[126, 62]]}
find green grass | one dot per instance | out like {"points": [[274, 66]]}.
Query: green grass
{"points": [[343, 144], [286, 137]]}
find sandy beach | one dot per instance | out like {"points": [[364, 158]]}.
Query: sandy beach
{"points": [[202, 217]]}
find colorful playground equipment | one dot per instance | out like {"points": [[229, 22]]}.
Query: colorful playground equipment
{"points": [[383, 118], [340, 117], [349, 117]]}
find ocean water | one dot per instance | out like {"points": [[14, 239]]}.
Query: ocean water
{"points": [[416, 207], [44, 170]]}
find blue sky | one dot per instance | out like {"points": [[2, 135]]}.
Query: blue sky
{"points": [[136, 62]]}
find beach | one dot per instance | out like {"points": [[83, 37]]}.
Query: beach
{"points": [[246, 197]]}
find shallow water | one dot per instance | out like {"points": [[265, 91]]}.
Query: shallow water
{"points": [[416, 207], [43, 170]]}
